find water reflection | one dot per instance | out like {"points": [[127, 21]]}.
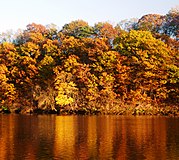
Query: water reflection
{"points": [[88, 137], [64, 137]]}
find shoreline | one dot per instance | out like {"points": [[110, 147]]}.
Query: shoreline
{"points": [[171, 111]]}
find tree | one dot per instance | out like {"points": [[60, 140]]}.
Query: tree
{"points": [[151, 22], [7, 89], [105, 30], [171, 25], [52, 31], [128, 25], [33, 32], [7, 36], [78, 29], [148, 59], [84, 68], [66, 88]]}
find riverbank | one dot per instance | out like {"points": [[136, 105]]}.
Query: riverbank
{"points": [[119, 110]]}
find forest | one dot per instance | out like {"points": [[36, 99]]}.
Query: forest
{"points": [[131, 68]]}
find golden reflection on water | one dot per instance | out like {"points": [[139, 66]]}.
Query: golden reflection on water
{"points": [[6, 136], [92, 137], [64, 137], [88, 137]]}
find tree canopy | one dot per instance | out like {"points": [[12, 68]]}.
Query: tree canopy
{"points": [[83, 68]]}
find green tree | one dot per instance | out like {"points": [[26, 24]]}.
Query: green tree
{"points": [[78, 29], [147, 58]]}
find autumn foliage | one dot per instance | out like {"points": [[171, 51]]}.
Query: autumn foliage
{"points": [[91, 69]]}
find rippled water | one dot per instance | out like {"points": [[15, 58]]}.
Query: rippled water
{"points": [[50, 137]]}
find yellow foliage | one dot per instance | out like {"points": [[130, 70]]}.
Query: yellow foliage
{"points": [[66, 89], [47, 60], [63, 100], [30, 49], [51, 47]]}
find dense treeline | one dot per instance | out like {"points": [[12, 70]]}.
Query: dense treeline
{"points": [[130, 68]]}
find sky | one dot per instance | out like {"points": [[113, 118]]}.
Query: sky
{"points": [[15, 14]]}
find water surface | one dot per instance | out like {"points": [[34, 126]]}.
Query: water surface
{"points": [[24, 137]]}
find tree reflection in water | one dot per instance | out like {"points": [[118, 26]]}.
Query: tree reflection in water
{"points": [[88, 137]]}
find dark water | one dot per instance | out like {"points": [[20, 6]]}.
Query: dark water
{"points": [[88, 137]]}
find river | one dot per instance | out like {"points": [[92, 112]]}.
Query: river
{"points": [[51, 137]]}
